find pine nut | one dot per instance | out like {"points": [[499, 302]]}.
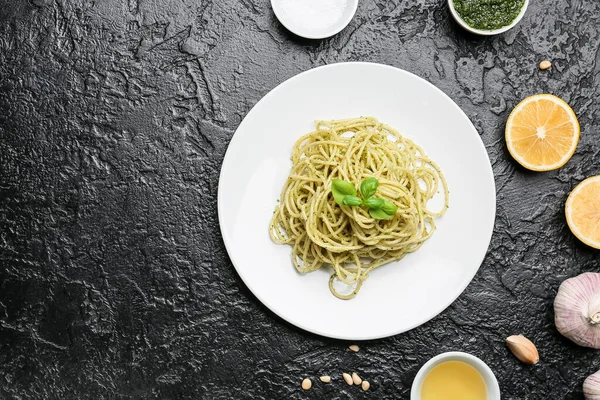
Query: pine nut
{"points": [[348, 379], [325, 379], [354, 348], [545, 64], [356, 379], [365, 385], [306, 384]]}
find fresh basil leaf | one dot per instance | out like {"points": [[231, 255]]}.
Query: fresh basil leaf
{"points": [[368, 187], [389, 207], [374, 203], [379, 213], [340, 189], [354, 201]]}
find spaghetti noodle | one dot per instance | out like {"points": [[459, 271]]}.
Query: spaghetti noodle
{"points": [[323, 233]]}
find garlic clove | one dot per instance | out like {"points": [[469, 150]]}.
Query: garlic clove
{"points": [[591, 387], [577, 309], [523, 349]]}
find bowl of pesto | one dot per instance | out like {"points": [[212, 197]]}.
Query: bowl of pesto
{"points": [[487, 17]]}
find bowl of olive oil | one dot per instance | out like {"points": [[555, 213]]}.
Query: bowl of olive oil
{"points": [[455, 376], [487, 17]]}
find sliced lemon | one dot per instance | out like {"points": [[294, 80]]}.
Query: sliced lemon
{"points": [[542, 132], [583, 211]]}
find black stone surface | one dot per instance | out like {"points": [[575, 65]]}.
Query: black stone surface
{"points": [[114, 119]]}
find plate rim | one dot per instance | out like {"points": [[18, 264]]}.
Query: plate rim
{"points": [[225, 239]]}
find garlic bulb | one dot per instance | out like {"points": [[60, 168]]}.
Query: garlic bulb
{"points": [[591, 387], [577, 309]]}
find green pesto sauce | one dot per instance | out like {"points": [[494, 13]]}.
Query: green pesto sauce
{"points": [[488, 14]]}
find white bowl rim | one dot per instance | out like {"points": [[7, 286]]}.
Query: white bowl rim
{"points": [[333, 30], [482, 32], [493, 390]]}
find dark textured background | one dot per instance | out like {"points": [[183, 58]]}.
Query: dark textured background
{"points": [[114, 119]]}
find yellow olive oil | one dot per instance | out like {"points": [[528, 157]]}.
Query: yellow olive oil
{"points": [[453, 380]]}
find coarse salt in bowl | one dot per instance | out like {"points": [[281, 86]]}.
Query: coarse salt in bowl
{"points": [[314, 19]]}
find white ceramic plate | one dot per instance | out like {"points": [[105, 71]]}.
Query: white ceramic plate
{"points": [[398, 296]]}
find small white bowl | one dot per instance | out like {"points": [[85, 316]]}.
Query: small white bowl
{"points": [[482, 32], [491, 384], [305, 29]]}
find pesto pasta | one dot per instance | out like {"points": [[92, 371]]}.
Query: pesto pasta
{"points": [[348, 239]]}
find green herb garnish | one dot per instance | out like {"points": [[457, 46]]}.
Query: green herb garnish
{"points": [[368, 187], [374, 203], [341, 189], [345, 194], [354, 201]]}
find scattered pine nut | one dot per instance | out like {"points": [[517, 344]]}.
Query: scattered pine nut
{"points": [[354, 348], [356, 379], [348, 379], [325, 379], [306, 384], [545, 64], [365, 385]]}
